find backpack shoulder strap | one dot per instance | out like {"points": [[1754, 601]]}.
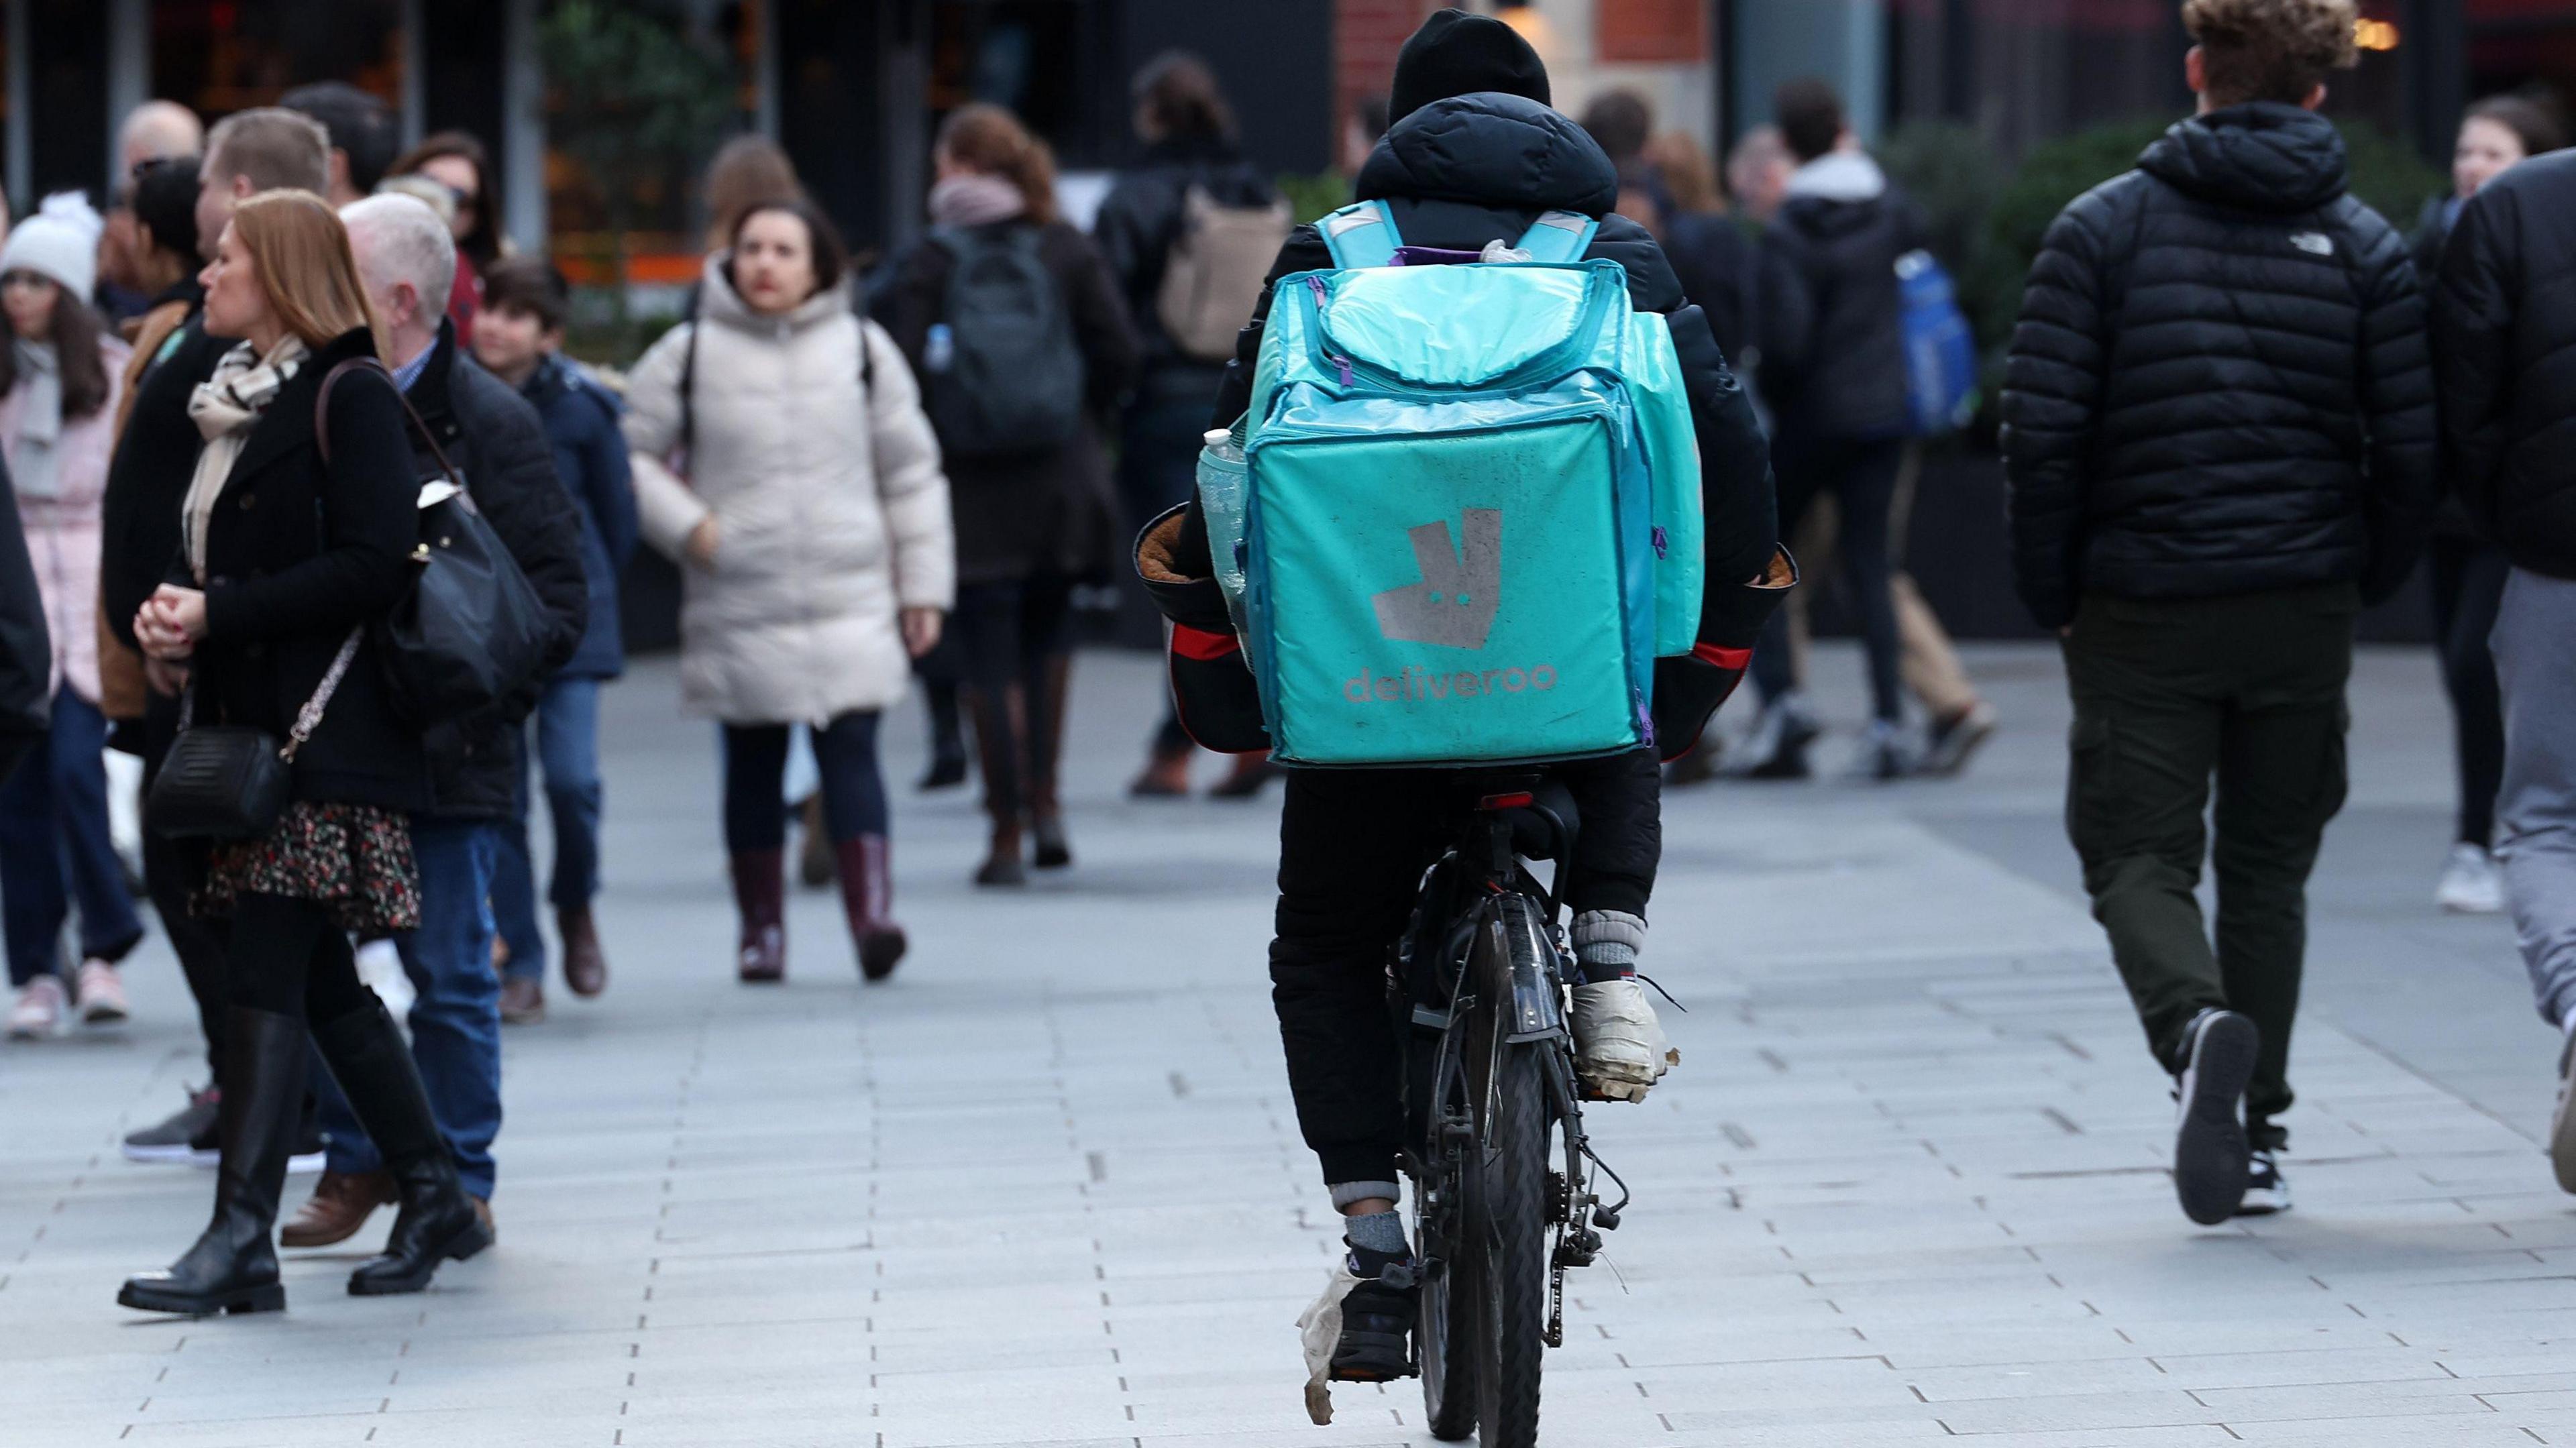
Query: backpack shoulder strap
{"points": [[689, 374], [1558, 236], [1361, 235]]}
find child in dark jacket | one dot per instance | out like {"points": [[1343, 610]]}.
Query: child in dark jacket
{"points": [[1474, 155], [519, 335]]}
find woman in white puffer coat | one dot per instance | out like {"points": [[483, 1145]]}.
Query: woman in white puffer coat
{"points": [[782, 456]]}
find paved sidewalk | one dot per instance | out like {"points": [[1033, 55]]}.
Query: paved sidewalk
{"points": [[1045, 1188]]}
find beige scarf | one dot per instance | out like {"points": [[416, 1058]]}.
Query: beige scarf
{"points": [[225, 407]]}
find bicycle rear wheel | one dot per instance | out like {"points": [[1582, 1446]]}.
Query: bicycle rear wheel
{"points": [[1508, 1191]]}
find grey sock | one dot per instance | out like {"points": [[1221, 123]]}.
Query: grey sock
{"points": [[1607, 943], [1381, 1232]]}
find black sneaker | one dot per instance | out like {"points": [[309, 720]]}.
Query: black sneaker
{"points": [[2266, 1190], [2212, 1158], [1952, 742], [1376, 1344], [187, 1136]]}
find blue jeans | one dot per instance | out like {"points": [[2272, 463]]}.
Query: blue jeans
{"points": [[456, 1022], [568, 748], [55, 848]]}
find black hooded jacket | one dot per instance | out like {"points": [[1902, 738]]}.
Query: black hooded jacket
{"points": [[1456, 174], [2504, 343], [2220, 381], [1833, 348]]}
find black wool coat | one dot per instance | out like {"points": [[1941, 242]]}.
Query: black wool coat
{"points": [[2220, 382], [2504, 349], [298, 554]]}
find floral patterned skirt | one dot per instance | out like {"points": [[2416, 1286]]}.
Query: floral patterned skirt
{"points": [[354, 859]]}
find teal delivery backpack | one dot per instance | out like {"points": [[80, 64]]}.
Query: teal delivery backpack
{"points": [[1461, 519]]}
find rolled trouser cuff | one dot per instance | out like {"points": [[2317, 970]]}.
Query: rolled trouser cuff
{"points": [[1345, 1193]]}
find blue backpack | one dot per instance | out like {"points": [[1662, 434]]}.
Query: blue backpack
{"points": [[1940, 351], [1461, 519]]}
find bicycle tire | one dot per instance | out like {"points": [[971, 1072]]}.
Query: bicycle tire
{"points": [[1445, 1336], [1507, 1204]]}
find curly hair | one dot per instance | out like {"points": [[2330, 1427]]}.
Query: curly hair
{"points": [[2270, 50]]}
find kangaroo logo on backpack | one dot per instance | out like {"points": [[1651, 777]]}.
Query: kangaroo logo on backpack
{"points": [[1461, 383], [1457, 599]]}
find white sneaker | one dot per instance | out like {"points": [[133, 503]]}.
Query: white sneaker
{"points": [[39, 1011], [2471, 883], [102, 994], [1619, 1049]]}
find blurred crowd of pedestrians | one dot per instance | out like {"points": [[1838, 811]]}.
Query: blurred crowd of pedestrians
{"points": [[2237, 407]]}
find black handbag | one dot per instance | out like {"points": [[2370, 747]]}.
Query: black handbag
{"points": [[232, 781], [471, 633]]}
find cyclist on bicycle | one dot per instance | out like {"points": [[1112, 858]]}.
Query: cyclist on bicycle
{"points": [[1474, 155]]}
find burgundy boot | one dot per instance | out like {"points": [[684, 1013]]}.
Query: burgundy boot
{"points": [[760, 898], [867, 895]]}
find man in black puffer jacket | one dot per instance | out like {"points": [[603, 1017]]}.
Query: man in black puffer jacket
{"points": [[1474, 155], [2219, 434], [499, 449], [2504, 345]]}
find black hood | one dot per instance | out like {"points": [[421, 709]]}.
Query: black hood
{"points": [[2263, 156], [1457, 54], [1492, 150]]}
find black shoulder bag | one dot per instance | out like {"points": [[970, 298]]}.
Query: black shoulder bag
{"points": [[471, 632], [232, 781]]}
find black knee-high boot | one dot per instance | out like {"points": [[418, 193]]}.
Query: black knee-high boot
{"points": [[233, 1267], [435, 1220]]}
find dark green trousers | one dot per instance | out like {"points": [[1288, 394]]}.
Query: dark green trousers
{"points": [[2169, 695]]}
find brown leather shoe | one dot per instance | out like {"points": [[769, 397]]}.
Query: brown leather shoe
{"points": [[340, 1205], [483, 1210], [523, 1000], [585, 966]]}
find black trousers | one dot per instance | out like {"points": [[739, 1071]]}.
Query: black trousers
{"points": [[199, 944], [1352, 848], [1016, 636], [1862, 477], [289, 957], [2168, 694], [845, 756], [2468, 588]]}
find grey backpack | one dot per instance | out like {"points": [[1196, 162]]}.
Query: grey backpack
{"points": [[1009, 377]]}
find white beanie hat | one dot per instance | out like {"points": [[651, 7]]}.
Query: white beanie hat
{"points": [[60, 241]]}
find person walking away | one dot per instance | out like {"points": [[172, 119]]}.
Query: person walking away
{"points": [[1013, 322], [60, 375], [298, 531], [2504, 326], [458, 162], [1833, 369], [1712, 254], [813, 522], [2468, 571], [1186, 233], [156, 455], [2219, 436], [526, 305], [497, 446], [1474, 155]]}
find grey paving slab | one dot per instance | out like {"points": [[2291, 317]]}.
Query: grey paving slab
{"points": [[1046, 1188]]}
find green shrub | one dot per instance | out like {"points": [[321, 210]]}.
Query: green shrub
{"points": [[1314, 197]]}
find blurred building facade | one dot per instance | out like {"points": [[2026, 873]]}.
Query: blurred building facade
{"points": [[854, 88]]}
